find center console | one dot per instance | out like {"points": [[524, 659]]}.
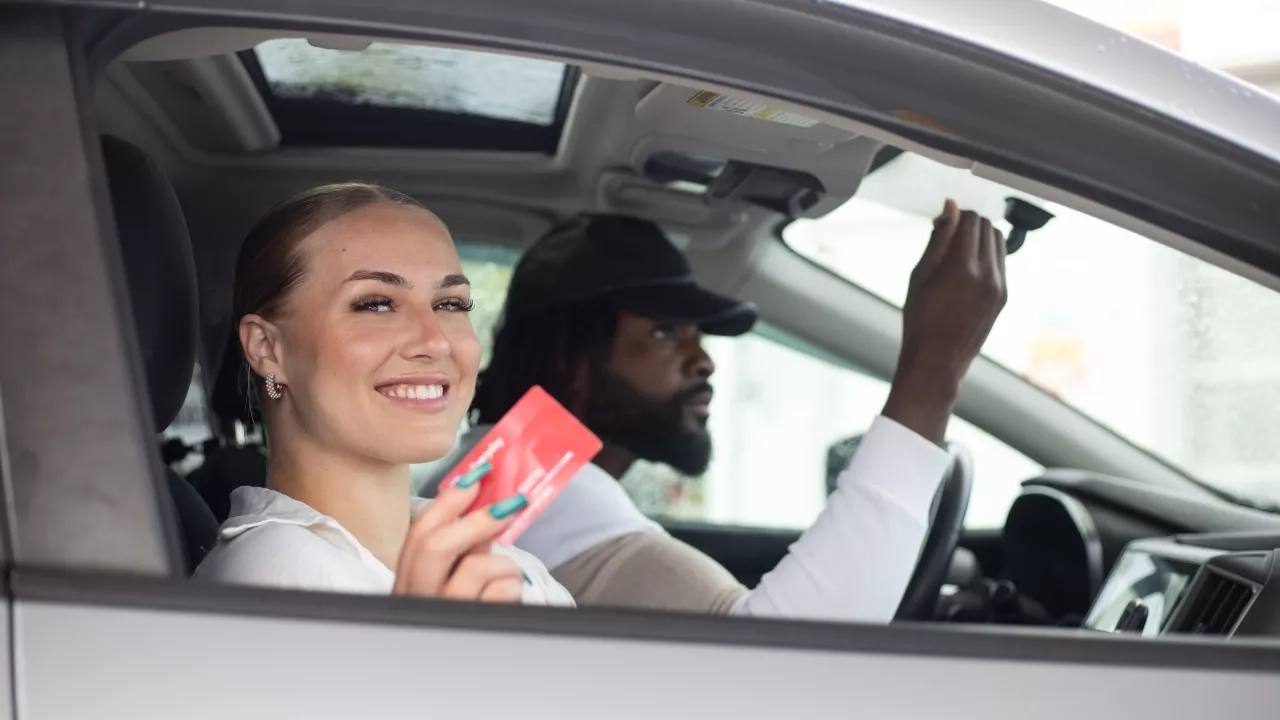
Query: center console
{"points": [[1221, 585]]}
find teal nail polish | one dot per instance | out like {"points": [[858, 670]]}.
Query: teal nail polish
{"points": [[527, 580], [473, 476], [508, 507]]}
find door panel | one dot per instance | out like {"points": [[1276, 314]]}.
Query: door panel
{"points": [[137, 662]]}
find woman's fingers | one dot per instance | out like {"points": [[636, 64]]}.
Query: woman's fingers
{"points": [[453, 499], [428, 557], [475, 528], [477, 571], [503, 590]]}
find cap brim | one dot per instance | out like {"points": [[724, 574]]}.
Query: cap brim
{"points": [[713, 313]]}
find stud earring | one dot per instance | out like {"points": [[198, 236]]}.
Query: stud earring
{"points": [[273, 389]]}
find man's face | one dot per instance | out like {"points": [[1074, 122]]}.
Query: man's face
{"points": [[653, 398]]}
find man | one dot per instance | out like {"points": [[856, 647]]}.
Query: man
{"points": [[604, 314]]}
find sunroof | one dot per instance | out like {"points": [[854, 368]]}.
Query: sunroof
{"points": [[409, 95]]}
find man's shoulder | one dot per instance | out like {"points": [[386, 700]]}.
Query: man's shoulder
{"points": [[652, 570]]}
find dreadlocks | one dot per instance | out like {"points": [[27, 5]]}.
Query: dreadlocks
{"points": [[545, 350]]}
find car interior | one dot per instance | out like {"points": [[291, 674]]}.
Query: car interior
{"points": [[204, 129]]}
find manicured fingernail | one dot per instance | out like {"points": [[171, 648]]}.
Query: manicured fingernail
{"points": [[508, 507], [473, 475]]}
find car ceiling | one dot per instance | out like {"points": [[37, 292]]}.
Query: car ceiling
{"points": [[186, 98]]}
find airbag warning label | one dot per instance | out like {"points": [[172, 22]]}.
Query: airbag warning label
{"points": [[749, 108]]}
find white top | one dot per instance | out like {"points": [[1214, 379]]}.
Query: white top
{"points": [[272, 540], [852, 565]]}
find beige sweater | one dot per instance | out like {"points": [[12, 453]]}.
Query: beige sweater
{"points": [[652, 571]]}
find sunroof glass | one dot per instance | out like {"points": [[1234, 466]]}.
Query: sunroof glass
{"points": [[412, 77]]}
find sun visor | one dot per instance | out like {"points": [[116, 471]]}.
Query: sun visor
{"points": [[737, 120]]}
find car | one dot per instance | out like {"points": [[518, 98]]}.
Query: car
{"points": [[1116, 559]]}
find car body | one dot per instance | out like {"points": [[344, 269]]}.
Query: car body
{"points": [[100, 618]]}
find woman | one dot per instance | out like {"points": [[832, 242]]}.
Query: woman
{"points": [[352, 311]]}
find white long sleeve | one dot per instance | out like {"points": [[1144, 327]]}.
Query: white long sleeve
{"points": [[854, 563]]}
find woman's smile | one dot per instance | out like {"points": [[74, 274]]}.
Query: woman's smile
{"points": [[426, 393]]}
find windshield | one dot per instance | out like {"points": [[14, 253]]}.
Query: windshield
{"points": [[1173, 354]]}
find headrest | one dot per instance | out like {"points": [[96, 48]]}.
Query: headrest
{"points": [[160, 271]]}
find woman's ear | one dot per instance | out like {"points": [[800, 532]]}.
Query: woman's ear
{"points": [[262, 347]]}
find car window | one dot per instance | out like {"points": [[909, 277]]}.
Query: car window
{"points": [[193, 427], [1168, 351], [771, 439]]}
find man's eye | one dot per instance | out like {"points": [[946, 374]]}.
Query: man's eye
{"points": [[664, 332], [374, 304], [456, 305]]}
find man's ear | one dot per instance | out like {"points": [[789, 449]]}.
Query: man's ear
{"points": [[262, 347], [580, 388]]}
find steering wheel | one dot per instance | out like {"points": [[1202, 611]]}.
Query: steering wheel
{"points": [[947, 522]]}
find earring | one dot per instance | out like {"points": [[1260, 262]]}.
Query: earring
{"points": [[273, 389]]}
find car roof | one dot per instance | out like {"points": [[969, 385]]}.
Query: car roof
{"points": [[1119, 64]]}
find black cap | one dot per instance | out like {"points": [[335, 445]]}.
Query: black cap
{"points": [[628, 260]]}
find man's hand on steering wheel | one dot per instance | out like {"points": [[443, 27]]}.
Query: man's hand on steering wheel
{"points": [[957, 290]]}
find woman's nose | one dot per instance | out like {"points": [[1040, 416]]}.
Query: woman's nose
{"points": [[429, 339]]}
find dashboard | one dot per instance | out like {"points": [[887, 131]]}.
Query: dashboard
{"points": [[1183, 585], [1111, 555]]}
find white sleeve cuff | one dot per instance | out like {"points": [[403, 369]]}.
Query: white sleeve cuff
{"points": [[900, 464], [854, 563]]}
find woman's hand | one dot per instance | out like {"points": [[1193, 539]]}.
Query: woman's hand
{"points": [[448, 554]]}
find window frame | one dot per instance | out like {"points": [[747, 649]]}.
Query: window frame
{"points": [[60, 174], [59, 448]]}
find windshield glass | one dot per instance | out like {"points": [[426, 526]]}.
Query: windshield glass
{"points": [[1173, 354]]}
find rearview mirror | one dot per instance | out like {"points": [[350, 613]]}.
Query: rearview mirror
{"points": [[1023, 217]]}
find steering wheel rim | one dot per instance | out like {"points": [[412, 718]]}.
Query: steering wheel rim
{"points": [[949, 507]]}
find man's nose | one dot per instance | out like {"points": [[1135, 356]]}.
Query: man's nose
{"points": [[700, 363]]}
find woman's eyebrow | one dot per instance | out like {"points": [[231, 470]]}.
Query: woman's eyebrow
{"points": [[381, 276], [454, 280]]}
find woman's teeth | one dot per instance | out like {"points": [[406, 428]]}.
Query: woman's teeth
{"points": [[414, 392]]}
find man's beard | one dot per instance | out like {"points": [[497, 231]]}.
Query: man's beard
{"points": [[653, 430]]}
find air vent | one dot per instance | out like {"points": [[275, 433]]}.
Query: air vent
{"points": [[1217, 606]]}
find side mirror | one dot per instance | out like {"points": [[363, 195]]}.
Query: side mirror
{"points": [[839, 453]]}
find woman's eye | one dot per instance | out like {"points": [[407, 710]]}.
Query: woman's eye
{"points": [[456, 305], [375, 304]]}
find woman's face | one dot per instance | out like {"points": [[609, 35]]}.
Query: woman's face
{"points": [[375, 346]]}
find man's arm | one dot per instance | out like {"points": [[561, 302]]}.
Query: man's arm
{"points": [[854, 563]]}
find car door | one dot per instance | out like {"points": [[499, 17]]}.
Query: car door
{"points": [[102, 624]]}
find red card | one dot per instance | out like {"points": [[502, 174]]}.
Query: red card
{"points": [[534, 449]]}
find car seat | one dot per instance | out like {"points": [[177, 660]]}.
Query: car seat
{"points": [[160, 270], [236, 462]]}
